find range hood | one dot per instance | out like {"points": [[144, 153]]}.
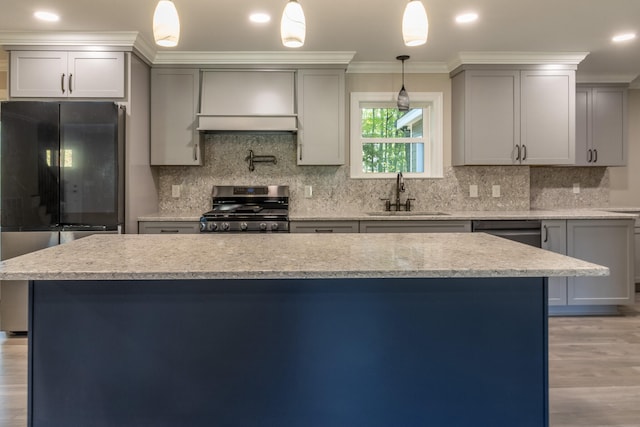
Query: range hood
{"points": [[248, 101]]}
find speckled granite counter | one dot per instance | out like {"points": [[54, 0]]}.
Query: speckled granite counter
{"points": [[239, 256], [466, 215], [605, 213]]}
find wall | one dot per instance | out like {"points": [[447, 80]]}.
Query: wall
{"points": [[522, 187], [625, 181]]}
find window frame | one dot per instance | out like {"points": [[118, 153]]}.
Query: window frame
{"points": [[433, 143]]}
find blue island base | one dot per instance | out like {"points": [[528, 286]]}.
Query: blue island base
{"points": [[289, 353]]}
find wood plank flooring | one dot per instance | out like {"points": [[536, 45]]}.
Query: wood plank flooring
{"points": [[594, 372]]}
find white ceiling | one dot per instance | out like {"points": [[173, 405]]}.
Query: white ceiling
{"points": [[371, 28]]}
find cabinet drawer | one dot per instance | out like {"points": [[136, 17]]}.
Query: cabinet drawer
{"points": [[168, 227], [415, 226], [323, 227]]}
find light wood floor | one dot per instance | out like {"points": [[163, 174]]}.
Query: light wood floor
{"points": [[594, 372]]}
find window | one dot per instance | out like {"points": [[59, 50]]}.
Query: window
{"points": [[385, 141]]}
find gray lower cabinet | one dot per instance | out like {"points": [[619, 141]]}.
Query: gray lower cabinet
{"points": [[605, 242], [554, 239], [415, 226], [323, 227], [168, 227]]}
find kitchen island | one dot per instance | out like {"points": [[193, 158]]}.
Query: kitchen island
{"points": [[289, 330]]}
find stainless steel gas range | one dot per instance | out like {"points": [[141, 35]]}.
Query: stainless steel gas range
{"points": [[247, 209]]}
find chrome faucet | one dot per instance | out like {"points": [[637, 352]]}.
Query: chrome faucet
{"points": [[399, 189]]}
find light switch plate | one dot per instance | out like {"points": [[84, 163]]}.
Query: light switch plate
{"points": [[495, 191], [473, 190], [308, 191], [175, 191], [576, 188]]}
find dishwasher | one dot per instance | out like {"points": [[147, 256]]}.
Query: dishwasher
{"points": [[523, 231]]}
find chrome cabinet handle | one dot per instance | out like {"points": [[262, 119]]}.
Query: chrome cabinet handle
{"points": [[595, 157], [324, 230], [195, 152], [546, 234], [164, 230], [524, 152], [589, 155], [518, 155], [70, 83], [300, 150], [62, 82]]}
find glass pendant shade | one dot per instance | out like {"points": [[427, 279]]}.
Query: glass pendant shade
{"points": [[293, 26], [415, 24], [403, 100], [166, 24]]}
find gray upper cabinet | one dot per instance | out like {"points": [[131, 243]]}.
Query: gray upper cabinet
{"points": [[61, 74], [601, 125], [509, 116], [174, 109], [321, 117]]}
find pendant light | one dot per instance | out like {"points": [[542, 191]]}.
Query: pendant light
{"points": [[166, 24], [403, 96], [415, 24], [293, 26]]}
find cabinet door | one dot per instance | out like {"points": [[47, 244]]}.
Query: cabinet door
{"points": [[584, 154], [554, 239], [174, 110], [605, 242], [491, 117], [321, 116], [38, 74], [609, 126], [415, 226], [547, 126], [323, 227], [96, 74]]}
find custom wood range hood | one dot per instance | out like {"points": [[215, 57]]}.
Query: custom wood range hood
{"points": [[248, 100]]}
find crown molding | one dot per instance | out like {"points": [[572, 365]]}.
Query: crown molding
{"points": [[68, 38], [605, 78], [515, 58], [393, 67], [252, 58]]}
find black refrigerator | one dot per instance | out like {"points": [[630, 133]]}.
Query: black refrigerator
{"points": [[61, 178]]}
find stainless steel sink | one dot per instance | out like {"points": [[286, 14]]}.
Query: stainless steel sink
{"points": [[405, 213]]}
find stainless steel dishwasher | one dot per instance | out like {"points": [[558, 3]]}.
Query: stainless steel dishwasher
{"points": [[523, 231]]}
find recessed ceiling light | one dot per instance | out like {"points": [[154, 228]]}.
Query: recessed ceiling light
{"points": [[465, 18], [259, 18], [624, 37], [46, 16]]}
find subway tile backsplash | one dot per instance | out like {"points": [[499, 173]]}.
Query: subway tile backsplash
{"points": [[521, 187]]}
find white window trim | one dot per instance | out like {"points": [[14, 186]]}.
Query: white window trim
{"points": [[433, 168]]}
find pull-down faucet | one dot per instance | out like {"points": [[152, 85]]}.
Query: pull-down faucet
{"points": [[399, 189]]}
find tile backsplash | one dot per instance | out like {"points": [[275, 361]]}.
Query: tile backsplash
{"points": [[521, 187]]}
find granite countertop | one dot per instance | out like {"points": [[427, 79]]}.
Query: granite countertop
{"points": [[605, 213], [262, 256]]}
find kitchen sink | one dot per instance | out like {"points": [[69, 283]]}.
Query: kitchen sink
{"points": [[405, 213]]}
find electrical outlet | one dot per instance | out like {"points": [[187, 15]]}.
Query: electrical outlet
{"points": [[495, 191], [576, 188], [175, 191], [473, 190], [308, 191]]}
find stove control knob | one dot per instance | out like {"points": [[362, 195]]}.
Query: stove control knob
{"points": [[203, 226], [263, 226], [274, 226], [225, 226], [212, 226], [244, 226]]}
